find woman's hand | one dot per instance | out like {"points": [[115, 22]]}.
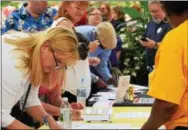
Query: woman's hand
{"points": [[53, 124], [77, 106], [76, 115], [93, 45], [93, 61]]}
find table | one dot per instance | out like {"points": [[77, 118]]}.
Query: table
{"points": [[133, 123], [142, 99]]}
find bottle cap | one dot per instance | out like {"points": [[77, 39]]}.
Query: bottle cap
{"points": [[65, 99], [82, 80]]}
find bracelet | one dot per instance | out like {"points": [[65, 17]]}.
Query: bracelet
{"points": [[45, 119]]}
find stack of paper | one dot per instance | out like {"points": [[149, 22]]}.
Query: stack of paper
{"points": [[101, 111], [132, 115], [97, 114], [100, 126], [104, 96], [144, 100]]}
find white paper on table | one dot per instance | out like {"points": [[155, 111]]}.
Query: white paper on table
{"points": [[75, 124], [107, 95], [137, 87], [97, 111], [132, 115], [139, 91], [99, 99], [160, 128], [101, 126], [104, 95], [104, 103], [112, 87]]}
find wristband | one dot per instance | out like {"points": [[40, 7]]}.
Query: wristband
{"points": [[45, 119]]}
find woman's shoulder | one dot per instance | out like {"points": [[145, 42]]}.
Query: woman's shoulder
{"points": [[55, 22], [85, 27], [9, 69]]}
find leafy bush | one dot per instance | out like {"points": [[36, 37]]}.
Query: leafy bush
{"points": [[132, 59]]}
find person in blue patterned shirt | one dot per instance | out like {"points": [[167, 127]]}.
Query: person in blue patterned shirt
{"points": [[31, 17]]}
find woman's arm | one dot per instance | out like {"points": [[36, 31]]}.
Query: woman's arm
{"points": [[38, 113], [36, 110], [50, 109], [18, 125]]}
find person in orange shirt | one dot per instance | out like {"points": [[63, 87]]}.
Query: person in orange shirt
{"points": [[169, 80]]}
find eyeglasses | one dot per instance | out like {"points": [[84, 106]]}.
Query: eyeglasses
{"points": [[58, 67], [100, 43], [102, 9], [96, 14]]}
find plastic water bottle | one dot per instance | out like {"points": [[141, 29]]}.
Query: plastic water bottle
{"points": [[81, 93], [66, 114]]}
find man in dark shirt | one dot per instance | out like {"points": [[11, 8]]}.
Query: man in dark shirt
{"points": [[155, 31]]}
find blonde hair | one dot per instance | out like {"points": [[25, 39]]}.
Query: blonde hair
{"points": [[62, 12], [62, 39], [106, 33]]}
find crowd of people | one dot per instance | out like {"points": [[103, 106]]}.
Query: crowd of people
{"points": [[46, 52]]}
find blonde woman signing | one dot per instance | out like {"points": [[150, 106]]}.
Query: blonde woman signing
{"points": [[80, 69], [25, 62]]}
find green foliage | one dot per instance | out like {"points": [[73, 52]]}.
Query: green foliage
{"points": [[132, 61], [6, 3]]}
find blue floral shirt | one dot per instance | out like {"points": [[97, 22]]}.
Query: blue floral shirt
{"points": [[21, 20]]}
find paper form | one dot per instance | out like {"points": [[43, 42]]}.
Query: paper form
{"points": [[132, 115]]}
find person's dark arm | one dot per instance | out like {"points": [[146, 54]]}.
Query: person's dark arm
{"points": [[161, 112]]}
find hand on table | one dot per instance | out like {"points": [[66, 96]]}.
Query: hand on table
{"points": [[101, 84], [112, 81], [53, 124], [76, 115], [77, 106]]}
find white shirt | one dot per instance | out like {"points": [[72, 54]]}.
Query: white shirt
{"points": [[75, 74], [14, 85]]}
